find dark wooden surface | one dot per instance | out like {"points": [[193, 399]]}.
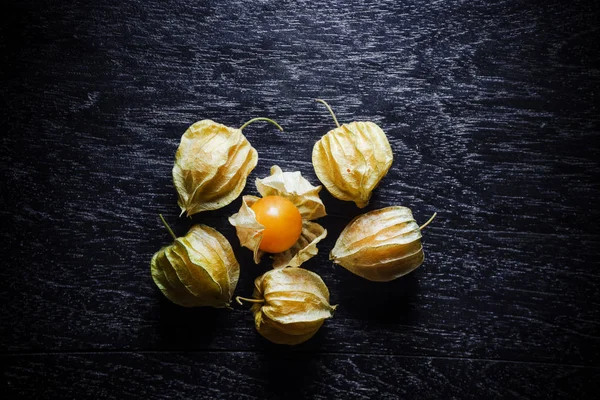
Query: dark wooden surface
{"points": [[490, 108]]}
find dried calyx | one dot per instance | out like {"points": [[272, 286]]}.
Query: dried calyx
{"points": [[305, 197], [198, 269], [212, 164], [289, 305], [381, 245], [351, 159]]}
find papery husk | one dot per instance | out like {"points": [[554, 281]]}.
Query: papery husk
{"points": [[247, 228], [351, 160], [197, 270], [212, 164], [292, 186], [295, 305], [304, 249], [380, 245]]}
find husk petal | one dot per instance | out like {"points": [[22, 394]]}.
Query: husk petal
{"points": [[294, 187], [247, 228], [304, 249]]}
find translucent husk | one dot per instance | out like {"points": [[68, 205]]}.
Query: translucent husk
{"points": [[380, 245], [211, 166], [351, 160], [292, 186], [198, 269], [290, 305]]}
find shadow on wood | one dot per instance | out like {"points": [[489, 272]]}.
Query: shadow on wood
{"points": [[289, 373], [386, 302], [188, 328]]}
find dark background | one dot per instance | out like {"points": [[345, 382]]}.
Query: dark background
{"points": [[490, 108]]}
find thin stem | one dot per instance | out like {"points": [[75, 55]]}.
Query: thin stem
{"points": [[261, 119], [330, 110], [427, 223], [168, 227], [240, 298]]}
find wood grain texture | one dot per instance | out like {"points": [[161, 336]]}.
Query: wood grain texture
{"points": [[490, 109], [239, 375]]}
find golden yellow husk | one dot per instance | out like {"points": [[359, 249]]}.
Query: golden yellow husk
{"points": [[197, 270], [290, 305], [212, 164], [292, 186], [351, 160], [380, 245]]}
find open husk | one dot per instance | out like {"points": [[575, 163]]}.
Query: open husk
{"points": [[290, 305], [351, 160], [380, 245], [198, 269], [292, 186]]}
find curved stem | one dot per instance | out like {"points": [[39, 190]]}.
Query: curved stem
{"points": [[168, 227], [330, 110], [240, 298], [261, 119], [427, 223]]}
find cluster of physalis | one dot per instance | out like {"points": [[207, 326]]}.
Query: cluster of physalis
{"points": [[290, 303]]}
